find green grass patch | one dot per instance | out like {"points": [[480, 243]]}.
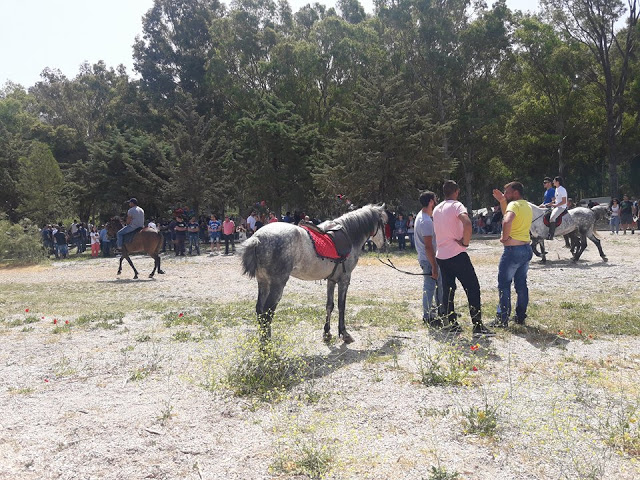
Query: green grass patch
{"points": [[585, 320], [18, 322], [103, 320]]}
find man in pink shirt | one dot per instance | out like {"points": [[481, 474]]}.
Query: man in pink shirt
{"points": [[453, 228], [228, 232]]}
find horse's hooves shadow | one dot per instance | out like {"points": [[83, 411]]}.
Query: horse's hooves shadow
{"points": [[127, 280], [340, 356]]}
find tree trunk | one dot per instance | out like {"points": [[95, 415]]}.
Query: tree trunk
{"points": [[612, 155]]}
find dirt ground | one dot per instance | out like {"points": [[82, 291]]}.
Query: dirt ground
{"points": [[123, 396]]}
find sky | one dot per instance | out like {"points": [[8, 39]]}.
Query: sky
{"points": [[63, 34]]}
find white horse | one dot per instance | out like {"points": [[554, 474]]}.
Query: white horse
{"points": [[280, 250], [578, 221]]}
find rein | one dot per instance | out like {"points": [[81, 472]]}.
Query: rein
{"points": [[390, 264]]}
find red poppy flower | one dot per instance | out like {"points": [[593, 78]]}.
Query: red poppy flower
{"points": [[55, 320], [181, 315], [46, 380], [41, 318], [579, 332], [26, 310], [474, 347], [475, 369], [66, 322]]}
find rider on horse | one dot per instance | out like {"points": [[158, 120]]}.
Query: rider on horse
{"points": [[135, 220], [559, 205]]}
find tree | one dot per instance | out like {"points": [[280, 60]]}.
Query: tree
{"points": [[593, 23], [40, 185]]}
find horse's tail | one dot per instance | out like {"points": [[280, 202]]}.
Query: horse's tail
{"points": [[250, 256]]}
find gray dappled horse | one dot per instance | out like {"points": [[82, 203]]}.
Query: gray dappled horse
{"points": [[280, 250], [579, 221]]}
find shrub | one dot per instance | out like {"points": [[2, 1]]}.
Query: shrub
{"points": [[20, 243], [262, 370]]}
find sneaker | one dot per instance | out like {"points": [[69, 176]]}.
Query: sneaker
{"points": [[482, 331], [499, 323], [518, 321], [433, 322], [453, 327]]}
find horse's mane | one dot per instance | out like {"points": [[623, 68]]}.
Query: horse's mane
{"points": [[363, 220]]}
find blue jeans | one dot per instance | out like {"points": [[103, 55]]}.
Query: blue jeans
{"points": [[431, 310], [615, 224], [62, 249], [122, 232], [194, 240], [514, 265]]}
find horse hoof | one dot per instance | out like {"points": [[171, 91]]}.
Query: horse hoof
{"points": [[119, 272], [327, 337], [346, 338], [161, 272], [135, 277], [151, 275], [605, 259]]}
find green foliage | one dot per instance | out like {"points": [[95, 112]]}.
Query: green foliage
{"points": [[449, 365], [441, 473], [20, 243], [482, 421]]}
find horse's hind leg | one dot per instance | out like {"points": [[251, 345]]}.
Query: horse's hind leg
{"points": [[331, 287], [160, 271], [582, 245], [343, 286], [120, 265], [155, 265]]}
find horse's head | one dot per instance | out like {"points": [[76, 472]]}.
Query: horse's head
{"points": [[601, 212], [378, 237]]}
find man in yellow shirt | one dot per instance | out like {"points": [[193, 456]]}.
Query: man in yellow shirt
{"points": [[514, 263]]}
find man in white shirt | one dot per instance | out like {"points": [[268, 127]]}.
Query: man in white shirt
{"points": [[559, 205], [251, 224]]}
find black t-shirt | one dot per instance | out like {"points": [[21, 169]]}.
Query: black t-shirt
{"points": [[61, 238], [180, 224], [626, 207]]}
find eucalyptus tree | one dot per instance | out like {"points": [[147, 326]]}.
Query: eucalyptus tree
{"points": [[552, 75], [593, 23], [171, 55]]}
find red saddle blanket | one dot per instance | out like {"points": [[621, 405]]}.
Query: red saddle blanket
{"points": [[324, 245], [547, 216]]}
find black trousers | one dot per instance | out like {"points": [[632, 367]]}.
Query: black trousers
{"points": [[229, 239], [460, 267]]}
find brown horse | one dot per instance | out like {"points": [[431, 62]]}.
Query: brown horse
{"points": [[147, 240]]}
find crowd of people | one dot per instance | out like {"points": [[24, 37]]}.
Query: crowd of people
{"points": [[184, 232]]}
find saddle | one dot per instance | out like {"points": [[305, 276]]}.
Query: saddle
{"points": [[547, 216], [128, 237], [330, 242]]}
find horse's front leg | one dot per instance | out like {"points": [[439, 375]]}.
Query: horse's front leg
{"points": [[343, 286], [331, 286], [134, 268]]}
